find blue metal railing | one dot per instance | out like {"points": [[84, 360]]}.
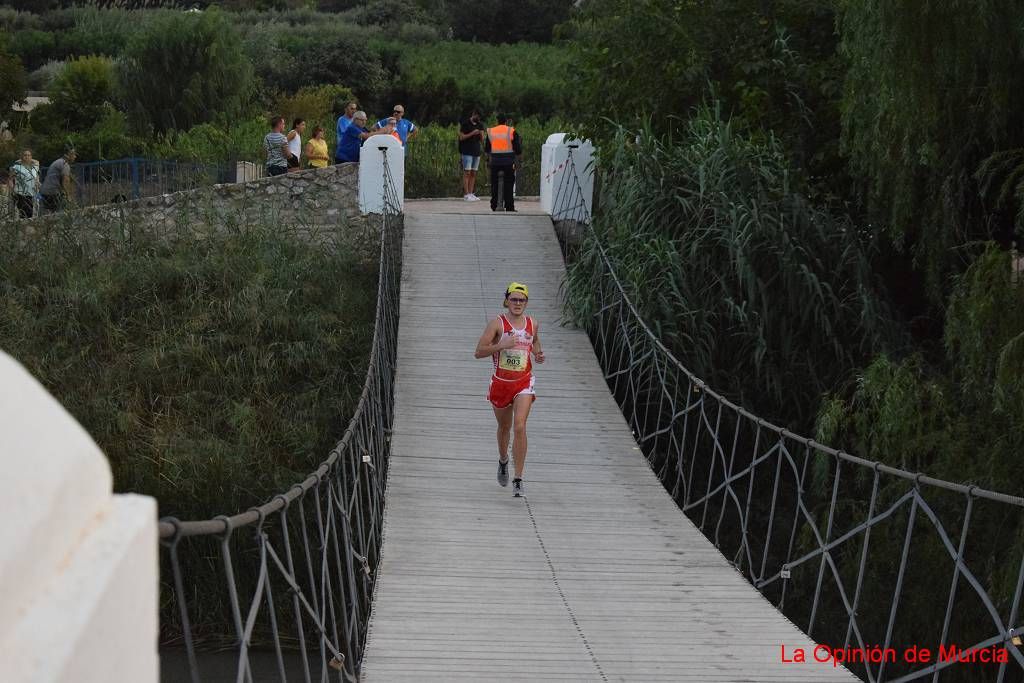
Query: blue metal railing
{"points": [[119, 180]]}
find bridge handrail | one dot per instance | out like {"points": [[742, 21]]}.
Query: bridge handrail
{"points": [[640, 369], [331, 580], [579, 210]]}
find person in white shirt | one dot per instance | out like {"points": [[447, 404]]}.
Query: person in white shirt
{"points": [[25, 173], [295, 144]]}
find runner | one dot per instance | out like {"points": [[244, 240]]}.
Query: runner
{"points": [[509, 339]]}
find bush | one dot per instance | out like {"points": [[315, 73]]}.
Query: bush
{"points": [[387, 14], [184, 69], [437, 81], [274, 67], [521, 20], [43, 134], [109, 137], [212, 143], [343, 58], [96, 31], [81, 91], [12, 20], [417, 34], [33, 47], [41, 78]]}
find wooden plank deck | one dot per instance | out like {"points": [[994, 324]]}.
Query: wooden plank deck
{"points": [[596, 575]]}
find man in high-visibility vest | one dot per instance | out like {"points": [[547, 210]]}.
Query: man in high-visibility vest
{"points": [[504, 148]]}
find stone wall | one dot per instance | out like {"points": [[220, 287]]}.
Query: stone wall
{"points": [[321, 203]]}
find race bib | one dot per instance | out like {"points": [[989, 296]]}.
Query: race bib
{"points": [[512, 359]]}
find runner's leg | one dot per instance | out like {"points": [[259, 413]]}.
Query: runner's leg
{"points": [[522, 405], [504, 417]]}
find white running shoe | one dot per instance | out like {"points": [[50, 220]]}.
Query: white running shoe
{"points": [[473, 197], [467, 198]]}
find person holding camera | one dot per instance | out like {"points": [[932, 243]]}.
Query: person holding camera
{"points": [[471, 136]]}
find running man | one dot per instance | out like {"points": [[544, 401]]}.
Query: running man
{"points": [[509, 339]]}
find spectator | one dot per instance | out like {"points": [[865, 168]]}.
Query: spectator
{"points": [[276, 145], [57, 188], [471, 135], [316, 149], [504, 147], [345, 120], [25, 173], [405, 128], [355, 135], [295, 144]]}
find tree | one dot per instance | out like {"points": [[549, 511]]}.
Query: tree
{"points": [[933, 89], [771, 65], [183, 69], [13, 81], [508, 21], [81, 91]]}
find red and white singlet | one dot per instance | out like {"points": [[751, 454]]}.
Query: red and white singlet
{"points": [[513, 368]]}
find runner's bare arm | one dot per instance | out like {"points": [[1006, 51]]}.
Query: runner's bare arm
{"points": [[538, 354], [492, 340]]}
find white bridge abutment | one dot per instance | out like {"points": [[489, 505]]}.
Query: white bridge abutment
{"points": [[372, 187], [78, 565], [559, 155]]}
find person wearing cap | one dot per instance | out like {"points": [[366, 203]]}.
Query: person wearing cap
{"points": [[57, 188], [405, 128], [510, 340]]}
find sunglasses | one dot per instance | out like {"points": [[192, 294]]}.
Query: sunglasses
{"points": [[517, 301], [398, 111]]}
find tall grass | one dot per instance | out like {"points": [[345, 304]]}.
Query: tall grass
{"points": [[766, 297], [214, 367], [433, 165]]}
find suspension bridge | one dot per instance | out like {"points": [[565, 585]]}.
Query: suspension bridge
{"points": [[596, 575], [666, 533]]}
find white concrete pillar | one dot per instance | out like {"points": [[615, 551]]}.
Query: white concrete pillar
{"points": [[78, 565], [554, 164], [371, 172], [246, 171]]}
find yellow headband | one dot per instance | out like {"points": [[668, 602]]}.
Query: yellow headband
{"points": [[517, 287]]}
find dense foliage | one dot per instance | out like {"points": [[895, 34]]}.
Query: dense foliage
{"points": [[213, 369], [178, 76], [761, 294], [768, 65], [13, 80], [894, 114], [967, 424], [932, 89], [185, 69], [882, 147]]}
